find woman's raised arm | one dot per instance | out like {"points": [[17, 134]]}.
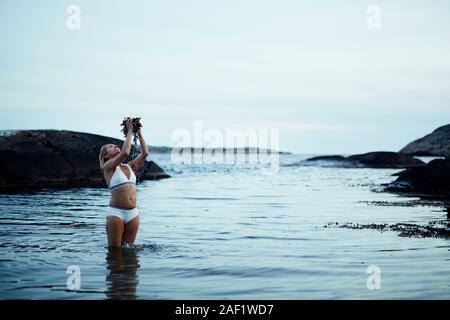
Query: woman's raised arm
{"points": [[140, 159], [126, 148]]}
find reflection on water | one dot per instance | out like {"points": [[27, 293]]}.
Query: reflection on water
{"points": [[122, 279]]}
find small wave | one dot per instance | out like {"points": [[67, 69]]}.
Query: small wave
{"points": [[238, 272], [207, 198], [142, 247], [274, 238]]}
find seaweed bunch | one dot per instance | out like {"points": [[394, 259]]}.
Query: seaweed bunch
{"points": [[136, 123]]}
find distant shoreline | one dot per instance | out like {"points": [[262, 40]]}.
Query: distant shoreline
{"points": [[156, 149]]}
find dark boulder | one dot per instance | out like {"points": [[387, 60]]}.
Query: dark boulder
{"points": [[436, 144], [327, 158], [385, 159], [151, 171], [432, 179], [334, 161], [380, 159], [56, 158]]}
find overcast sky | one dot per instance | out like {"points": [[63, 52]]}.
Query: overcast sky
{"points": [[312, 69]]}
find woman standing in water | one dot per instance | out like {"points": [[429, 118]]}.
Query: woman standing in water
{"points": [[122, 221]]}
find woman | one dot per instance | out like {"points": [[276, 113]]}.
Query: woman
{"points": [[122, 221]]}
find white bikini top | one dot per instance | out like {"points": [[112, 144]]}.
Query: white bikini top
{"points": [[119, 178]]}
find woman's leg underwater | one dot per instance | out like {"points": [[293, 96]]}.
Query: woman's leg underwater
{"points": [[114, 231], [130, 231]]}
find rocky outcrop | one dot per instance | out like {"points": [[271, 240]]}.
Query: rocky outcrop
{"points": [[436, 143], [151, 171], [380, 159], [433, 179], [430, 180], [56, 158], [327, 158], [385, 159]]}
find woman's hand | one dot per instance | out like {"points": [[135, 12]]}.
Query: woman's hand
{"points": [[129, 126]]}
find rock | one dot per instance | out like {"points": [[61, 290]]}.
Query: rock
{"points": [[436, 144], [56, 158], [334, 161], [432, 179], [369, 160], [385, 159], [327, 158], [151, 171]]}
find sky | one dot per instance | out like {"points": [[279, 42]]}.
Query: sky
{"points": [[314, 70]]}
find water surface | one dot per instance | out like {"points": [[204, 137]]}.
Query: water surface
{"points": [[225, 232]]}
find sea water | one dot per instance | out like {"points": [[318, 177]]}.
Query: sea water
{"points": [[226, 232]]}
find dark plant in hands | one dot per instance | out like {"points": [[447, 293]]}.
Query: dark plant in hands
{"points": [[136, 123]]}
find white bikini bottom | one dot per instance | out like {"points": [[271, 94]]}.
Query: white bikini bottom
{"points": [[126, 215]]}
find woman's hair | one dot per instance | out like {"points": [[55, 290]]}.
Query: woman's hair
{"points": [[101, 156]]}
